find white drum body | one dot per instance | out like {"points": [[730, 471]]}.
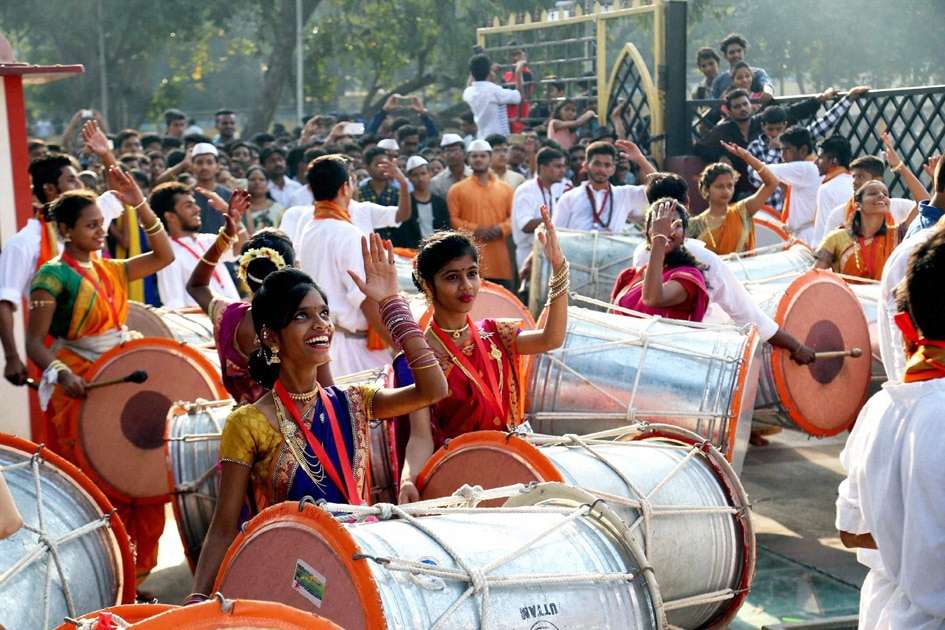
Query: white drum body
{"points": [[776, 264], [58, 503], [868, 295], [584, 572], [614, 370], [595, 258], [192, 449], [190, 325]]}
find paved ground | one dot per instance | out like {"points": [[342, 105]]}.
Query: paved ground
{"points": [[792, 484]]}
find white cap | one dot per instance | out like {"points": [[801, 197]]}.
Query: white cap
{"points": [[450, 138], [479, 145], [388, 144], [414, 162], [204, 148]]}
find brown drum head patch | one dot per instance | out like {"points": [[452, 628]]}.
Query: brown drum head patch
{"points": [[143, 419], [825, 334]]}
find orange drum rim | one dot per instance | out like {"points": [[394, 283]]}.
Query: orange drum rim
{"points": [[211, 614], [741, 384], [336, 537], [508, 443], [86, 484], [720, 464], [774, 227], [132, 613], [769, 211], [211, 376], [780, 359]]}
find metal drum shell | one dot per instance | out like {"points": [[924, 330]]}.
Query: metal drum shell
{"points": [[691, 553], [189, 325], [128, 462], [824, 398], [99, 567], [614, 370], [791, 262], [596, 259], [368, 595], [770, 231], [868, 295], [192, 454]]}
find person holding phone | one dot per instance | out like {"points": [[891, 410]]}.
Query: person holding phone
{"points": [[488, 100]]}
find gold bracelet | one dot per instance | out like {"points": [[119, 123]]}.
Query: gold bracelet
{"points": [[229, 239], [40, 303], [896, 168], [156, 229], [204, 260], [143, 201], [563, 273], [150, 226], [662, 236]]}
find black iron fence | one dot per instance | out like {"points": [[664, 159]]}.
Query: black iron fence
{"points": [[914, 116]]}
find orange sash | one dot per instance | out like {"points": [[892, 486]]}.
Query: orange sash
{"points": [[834, 172], [858, 261], [48, 246], [926, 363], [730, 237]]}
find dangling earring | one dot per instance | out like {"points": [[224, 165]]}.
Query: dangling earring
{"points": [[66, 239], [427, 293], [273, 356]]}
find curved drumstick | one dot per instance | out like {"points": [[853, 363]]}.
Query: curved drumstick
{"points": [[834, 354], [138, 376]]}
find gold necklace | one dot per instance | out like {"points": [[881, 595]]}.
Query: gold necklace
{"points": [[303, 396], [456, 333], [290, 430]]}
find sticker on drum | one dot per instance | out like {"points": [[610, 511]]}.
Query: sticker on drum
{"points": [[119, 429], [693, 496], [93, 570], [242, 614], [539, 552], [824, 397]]}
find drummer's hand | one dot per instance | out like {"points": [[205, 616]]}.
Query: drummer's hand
{"points": [[15, 371], [72, 386], [804, 355], [408, 493], [380, 273], [548, 237]]}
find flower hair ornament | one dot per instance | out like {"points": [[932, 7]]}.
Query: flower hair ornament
{"points": [[259, 252]]}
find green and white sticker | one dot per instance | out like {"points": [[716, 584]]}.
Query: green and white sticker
{"points": [[308, 583]]}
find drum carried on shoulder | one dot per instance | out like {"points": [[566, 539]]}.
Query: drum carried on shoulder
{"points": [[72, 555]]}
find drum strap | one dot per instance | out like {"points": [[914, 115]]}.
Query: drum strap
{"points": [[102, 284], [348, 488], [490, 391]]}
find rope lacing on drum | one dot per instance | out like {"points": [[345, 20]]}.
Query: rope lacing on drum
{"points": [[479, 578], [471, 494], [46, 543]]}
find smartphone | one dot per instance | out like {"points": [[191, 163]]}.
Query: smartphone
{"points": [[406, 101], [353, 129], [87, 113], [516, 139]]}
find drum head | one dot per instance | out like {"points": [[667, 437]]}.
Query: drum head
{"points": [[298, 555], [121, 427], [147, 320], [492, 301], [769, 231], [81, 490], [243, 614], [490, 459], [824, 397]]}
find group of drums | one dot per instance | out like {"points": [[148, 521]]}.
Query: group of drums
{"points": [[623, 509]]}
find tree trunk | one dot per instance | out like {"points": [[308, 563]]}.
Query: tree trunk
{"points": [[279, 66]]}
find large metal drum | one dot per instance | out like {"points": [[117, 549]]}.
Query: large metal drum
{"points": [[788, 263], [824, 397], [192, 454], [596, 259], [490, 568], [614, 370], [117, 433], [91, 566], [189, 325], [770, 232], [681, 499], [867, 293]]}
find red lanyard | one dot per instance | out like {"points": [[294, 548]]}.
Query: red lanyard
{"points": [[490, 391], [598, 217], [216, 274], [348, 488], [871, 261], [103, 284]]}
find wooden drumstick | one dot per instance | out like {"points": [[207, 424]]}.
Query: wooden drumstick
{"points": [[138, 376], [835, 354]]}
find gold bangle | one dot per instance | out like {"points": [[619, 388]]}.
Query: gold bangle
{"points": [[40, 303], [151, 225], [229, 239], [143, 201], [154, 230], [896, 168], [204, 260]]}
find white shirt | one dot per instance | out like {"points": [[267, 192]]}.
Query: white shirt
{"points": [[526, 207], [574, 211], [293, 221], [894, 491], [487, 101], [726, 292], [899, 208], [301, 197], [20, 254], [890, 338], [804, 180], [368, 216], [283, 196], [172, 280], [829, 196]]}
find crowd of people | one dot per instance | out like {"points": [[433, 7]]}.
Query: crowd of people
{"points": [[306, 223]]}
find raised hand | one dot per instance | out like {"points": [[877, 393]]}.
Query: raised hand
{"points": [[380, 274], [392, 102], [417, 105], [124, 186], [95, 140], [630, 150], [889, 153], [216, 201], [931, 164], [548, 237], [239, 204]]}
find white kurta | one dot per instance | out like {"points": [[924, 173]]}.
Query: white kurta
{"points": [[526, 207], [172, 280], [894, 491], [574, 209], [804, 180], [327, 249]]}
